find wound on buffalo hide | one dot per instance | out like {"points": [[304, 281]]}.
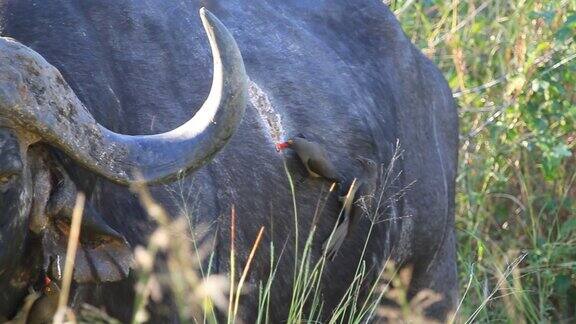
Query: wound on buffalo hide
{"points": [[103, 254]]}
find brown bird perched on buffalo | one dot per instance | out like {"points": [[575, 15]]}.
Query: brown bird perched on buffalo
{"points": [[314, 157], [39, 306], [46, 305], [358, 200]]}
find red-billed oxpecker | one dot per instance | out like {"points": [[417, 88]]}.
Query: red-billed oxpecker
{"points": [[358, 201], [313, 156], [39, 306]]}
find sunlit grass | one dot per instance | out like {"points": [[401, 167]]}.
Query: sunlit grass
{"points": [[512, 66]]}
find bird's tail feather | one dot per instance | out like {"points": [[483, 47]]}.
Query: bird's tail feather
{"points": [[334, 242]]}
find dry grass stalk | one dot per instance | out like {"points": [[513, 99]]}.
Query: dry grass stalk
{"points": [[405, 310], [194, 296], [231, 314], [246, 269], [70, 258]]}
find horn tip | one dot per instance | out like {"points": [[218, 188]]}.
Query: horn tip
{"points": [[205, 14]]}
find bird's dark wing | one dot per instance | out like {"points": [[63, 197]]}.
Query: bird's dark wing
{"points": [[364, 200], [357, 207], [323, 168]]}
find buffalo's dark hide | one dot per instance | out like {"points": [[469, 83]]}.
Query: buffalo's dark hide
{"points": [[342, 72]]}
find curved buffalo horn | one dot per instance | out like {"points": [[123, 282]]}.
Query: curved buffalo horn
{"points": [[35, 98]]}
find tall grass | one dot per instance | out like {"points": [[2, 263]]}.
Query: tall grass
{"points": [[306, 304], [512, 66]]}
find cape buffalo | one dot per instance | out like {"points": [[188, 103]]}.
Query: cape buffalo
{"points": [[93, 78]]}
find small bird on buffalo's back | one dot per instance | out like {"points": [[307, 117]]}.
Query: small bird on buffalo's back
{"points": [[314, 157], [360, 199]]}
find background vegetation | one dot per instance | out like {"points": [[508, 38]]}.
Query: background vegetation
{"points": [[512, 67]]}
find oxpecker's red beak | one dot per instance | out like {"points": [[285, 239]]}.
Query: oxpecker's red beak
{"points": [[281, 146]]}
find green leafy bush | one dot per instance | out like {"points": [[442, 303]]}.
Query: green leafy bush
{"points": [[512, 67]]}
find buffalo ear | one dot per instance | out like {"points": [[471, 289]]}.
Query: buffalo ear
{"points": [[103, 254]]}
